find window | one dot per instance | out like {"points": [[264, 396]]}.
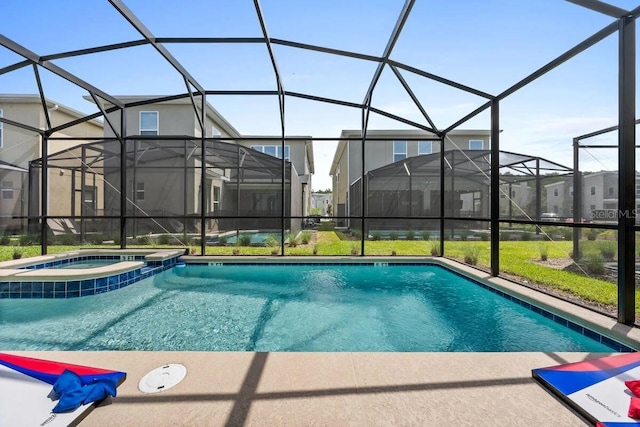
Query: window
{"points": [[216, 198], [1, 132], [593, 191], [592, 207], [399, 150], [89, 194], [273, 150], [476, 144], [139, 190], [555, 192], [513, 193], [215, 132], [571, 191], [7, 190], [425, 147], [637, 191], [148, 123], [611, 191]]}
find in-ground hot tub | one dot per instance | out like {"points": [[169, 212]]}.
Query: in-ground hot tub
{"points": [[81, 273]]}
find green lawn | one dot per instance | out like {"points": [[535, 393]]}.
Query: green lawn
{"points": [[516, 258]]}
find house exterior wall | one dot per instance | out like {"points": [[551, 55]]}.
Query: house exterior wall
{"points": [[378, 153], [21, 146]]}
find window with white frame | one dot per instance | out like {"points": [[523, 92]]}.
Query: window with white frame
{"points": [[1, 132], [399, 150], [149, 123], [273, 150], [140, 190], [425, 147], [7, 190], [593, 191], [476, 144]]}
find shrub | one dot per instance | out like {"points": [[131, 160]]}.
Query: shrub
{"points": [[526, 236], [144, 240], [17, 253], [68, 239], [163, 239], [355, 249], [222, 240], [275, 250], [594, 262], [272, 241], [471, 254], [5, 240], [96, 239], [607, 249], [293, 240], [484, 236], [315, 249], [393, 235], [410, 235], [592, 233], [393, 253], [244, 240], [435, 248], [464, 235], [426, 236], [544, 252], [28, 239], [505, 236], [376, 235], [567, 233], [305, 237]]}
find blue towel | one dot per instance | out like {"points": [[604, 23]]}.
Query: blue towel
{"points": [[72, 391]]}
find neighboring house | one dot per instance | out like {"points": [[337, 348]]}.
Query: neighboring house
{"points": [[243, 176], [516, 197], [391, 147], [599, 196], [18, 147], [321, 201]]}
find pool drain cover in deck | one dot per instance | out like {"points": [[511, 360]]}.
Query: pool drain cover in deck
{"points": [[162, 378]]}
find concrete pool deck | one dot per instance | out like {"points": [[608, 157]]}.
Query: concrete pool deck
{"points": [[332, 389]]}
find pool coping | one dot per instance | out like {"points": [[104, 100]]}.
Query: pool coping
{"points": [[592, 320]]}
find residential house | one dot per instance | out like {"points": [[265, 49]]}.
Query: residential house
{"points": [[243, 173], [20, 146], [396, 155], [321, 202], [599, 196]]}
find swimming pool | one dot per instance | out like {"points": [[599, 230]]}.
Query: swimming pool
{"points": [[327, 307], [255, 237]]}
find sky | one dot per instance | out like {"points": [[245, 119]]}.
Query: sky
{"points": [[488, 45]]}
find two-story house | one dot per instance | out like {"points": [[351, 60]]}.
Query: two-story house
{"points": [[20, 146], [243, 173], [599, 196], [402, 193]]}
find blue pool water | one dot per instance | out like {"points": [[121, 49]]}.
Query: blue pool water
{"points": [[86, 263], [289, 308]]}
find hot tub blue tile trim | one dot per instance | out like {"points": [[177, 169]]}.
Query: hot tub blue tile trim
{"points": [[85, 287]]}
